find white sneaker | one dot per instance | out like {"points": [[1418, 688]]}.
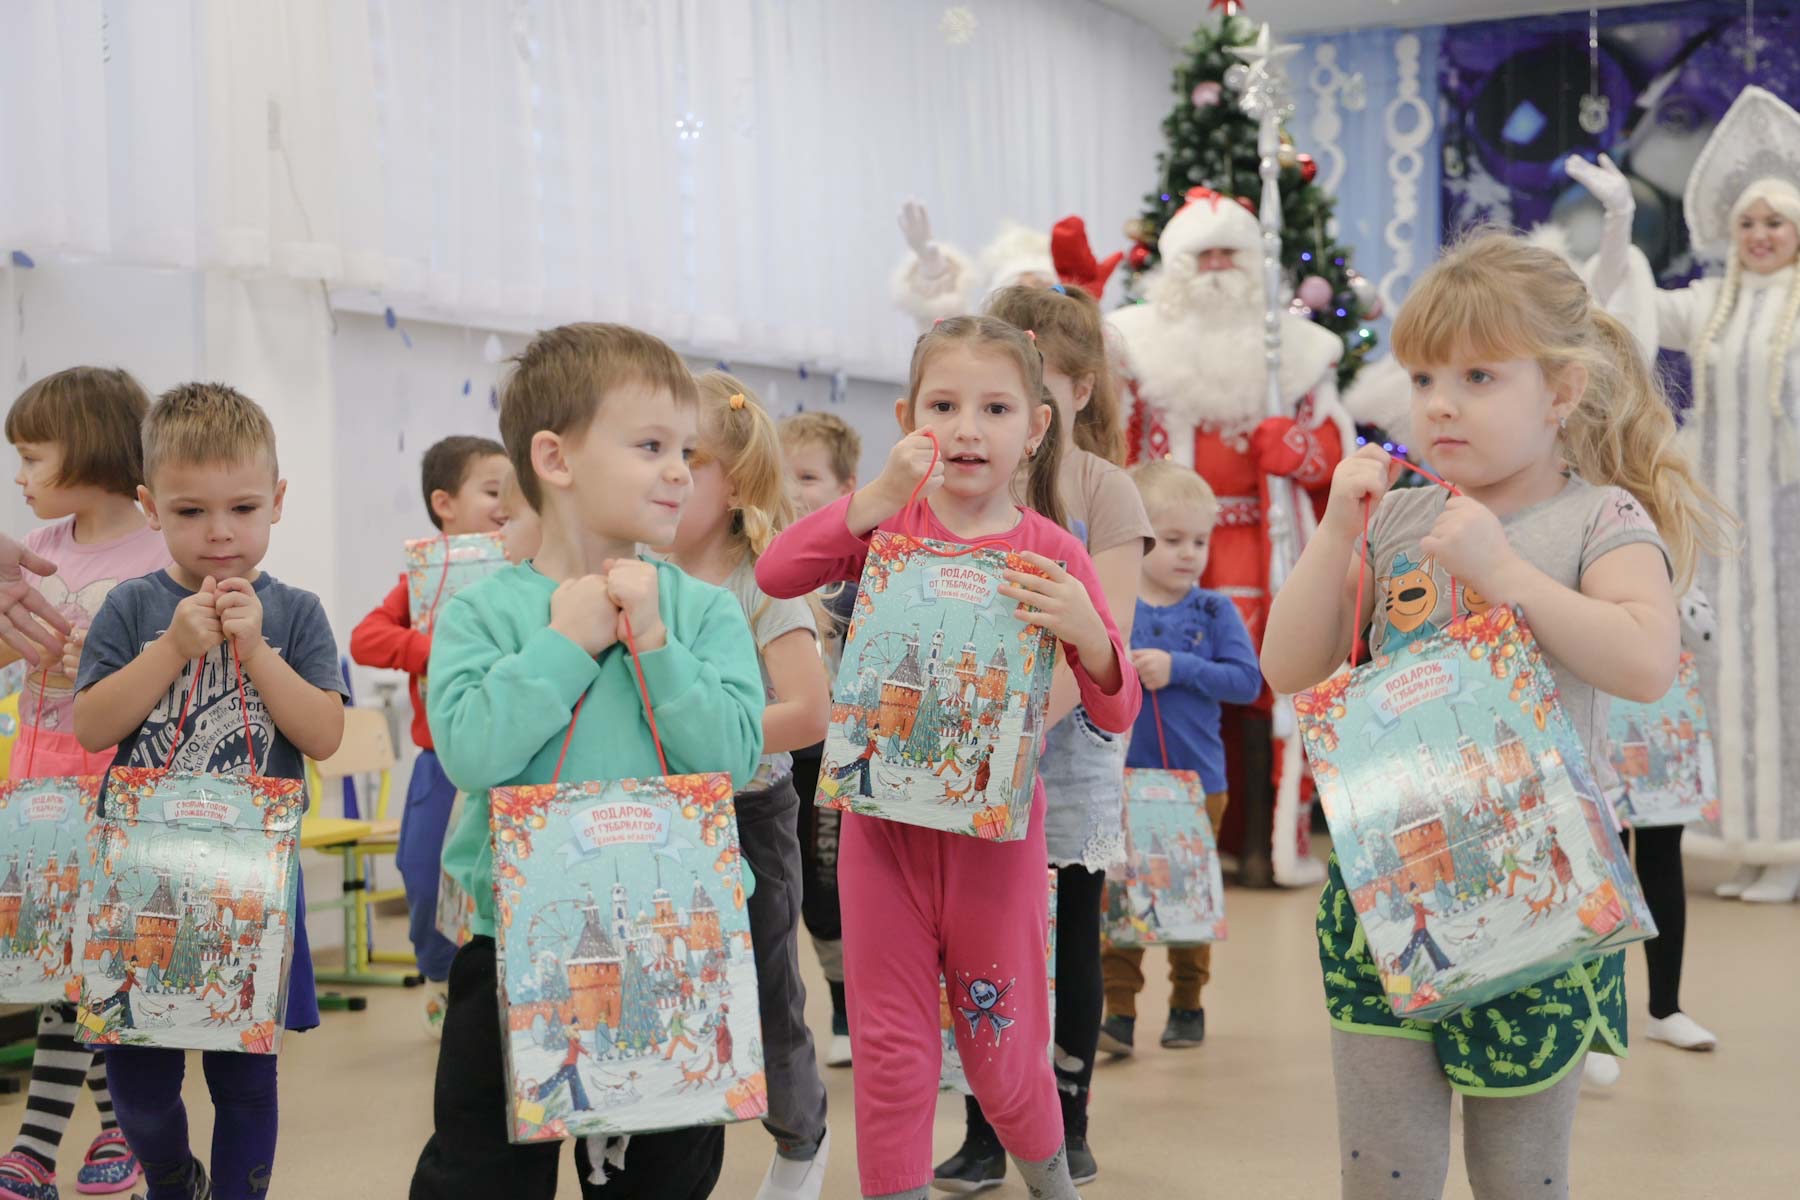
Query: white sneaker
{"points": [[792, 1179], [1682, 1031], [1306, 872], [1778, 885], [1601, 1070], [1733, 888], [437, 1003], [837, 1051]]}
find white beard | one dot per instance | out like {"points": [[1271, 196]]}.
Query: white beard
{"points": [[1201, 361]]}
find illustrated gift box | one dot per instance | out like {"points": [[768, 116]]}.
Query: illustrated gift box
{"points": [[1171, 892], [1663, 754], [979, 1006], [938, 710], [628, 986], [185, 925], [455, 913], [439, 567], [45, 846], [1477, 849]]}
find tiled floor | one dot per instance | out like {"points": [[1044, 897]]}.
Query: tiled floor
{"points": [[1247, 1115]]}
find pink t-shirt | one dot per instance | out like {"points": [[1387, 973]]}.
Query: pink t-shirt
{"points": [[85, 573]]}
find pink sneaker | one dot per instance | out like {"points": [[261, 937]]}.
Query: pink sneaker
{"points": [[109, 1166], [22, 1177]]}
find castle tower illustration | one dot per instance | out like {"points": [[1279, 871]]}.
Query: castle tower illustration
{"points": [[900, 695], [933, 664], [992, 688], [968, 674], [1422, 844], [1512, 759], [1156, 863], [12, 899], [664, 923], [108, 932], [704, 932], [156, 924], [621, 919], [595, 986], [1474, 760], [1634, 751]]}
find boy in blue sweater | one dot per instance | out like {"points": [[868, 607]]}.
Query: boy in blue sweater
{"points": [[1192, 651]]}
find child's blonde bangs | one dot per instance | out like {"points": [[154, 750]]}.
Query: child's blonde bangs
{"points": [[1460, 312]]}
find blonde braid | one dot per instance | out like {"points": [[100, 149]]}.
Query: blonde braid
{"points": [[1701, 352], [1778, 352]]}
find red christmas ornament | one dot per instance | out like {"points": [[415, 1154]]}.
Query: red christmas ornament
{"points": [[1309, 168], [1140, 254]]}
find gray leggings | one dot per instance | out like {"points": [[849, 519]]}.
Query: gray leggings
{"points": [[1393, 1106]]}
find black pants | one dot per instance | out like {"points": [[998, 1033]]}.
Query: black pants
{"points": [[818, 851], [469, 1155], [1080, 997], [1658, 864]]}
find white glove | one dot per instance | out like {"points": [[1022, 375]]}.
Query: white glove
{"points": [[915, 226], [1609, 186], [1605, 181]]}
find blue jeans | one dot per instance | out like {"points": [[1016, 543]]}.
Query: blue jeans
{"points": [[429, 797]]}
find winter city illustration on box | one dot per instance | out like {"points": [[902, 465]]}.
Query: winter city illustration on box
{"points": [[1171, 892], [628, 982], [977, 1006], [939, 703], [44, 844], [184, 927], [439, 567], [1663, 754], [1472, 838]]}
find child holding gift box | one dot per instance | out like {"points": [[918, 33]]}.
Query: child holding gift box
{"points": [[1190, 647], [80, 464], [267, 664], [739, 504], [1081, 767], [1533, 400], [920, 903], [462, 478], [821, 452], [599, 422]]}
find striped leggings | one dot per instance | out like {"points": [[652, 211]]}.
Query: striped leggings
{"points": [[57, 1072]]}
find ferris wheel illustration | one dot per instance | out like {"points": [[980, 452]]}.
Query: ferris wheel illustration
{"points": [[555, 930], [882, 654]]}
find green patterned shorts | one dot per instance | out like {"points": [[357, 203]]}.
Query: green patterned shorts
{"points": [[1519, 1044]]}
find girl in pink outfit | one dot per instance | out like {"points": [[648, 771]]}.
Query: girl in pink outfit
{"points": [[917, 902]]}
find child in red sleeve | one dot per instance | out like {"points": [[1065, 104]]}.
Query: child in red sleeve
{"points": [[462, 478]]}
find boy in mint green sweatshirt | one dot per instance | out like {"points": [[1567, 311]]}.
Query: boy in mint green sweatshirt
{"points": [[599, 421]]}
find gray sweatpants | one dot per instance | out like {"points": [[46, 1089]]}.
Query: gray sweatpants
{"points": [[771, 845]]}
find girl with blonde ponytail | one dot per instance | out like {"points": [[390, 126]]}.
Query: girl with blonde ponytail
{"points": [[738, 504], [1738, 330], [1534, 403]]}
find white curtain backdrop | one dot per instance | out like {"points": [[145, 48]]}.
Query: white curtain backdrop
{"points": [[520, 163]]}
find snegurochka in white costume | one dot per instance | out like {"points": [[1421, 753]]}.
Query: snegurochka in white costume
{"points": [[1738, 327]]}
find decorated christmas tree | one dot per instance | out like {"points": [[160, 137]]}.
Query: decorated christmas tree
{"points": [[640, 1027], [26, 936], [185, 969], [924, 745], [1212, 143]]}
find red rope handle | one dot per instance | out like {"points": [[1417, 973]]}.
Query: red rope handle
{"points": [[916, 507], [1156, 709], [1368, 509], [443, 578], [37, 721], [643, 690], [243, 708]]}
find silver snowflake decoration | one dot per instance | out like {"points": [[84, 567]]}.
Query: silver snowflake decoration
{"points": [[1595, 114], [1356, 92], [1265, 80], [958, 25]]}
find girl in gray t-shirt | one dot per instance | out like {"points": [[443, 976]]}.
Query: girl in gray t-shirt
{"points": [[1571, 505]]}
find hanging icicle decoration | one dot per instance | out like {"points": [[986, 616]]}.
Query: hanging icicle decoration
{"points": [[1596, 108]]}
